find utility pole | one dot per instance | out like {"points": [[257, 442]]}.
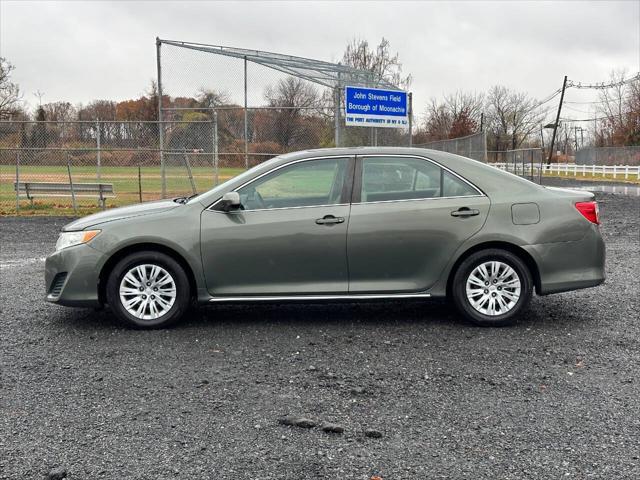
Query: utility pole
{"points": [[555, 126], [481, 122]]}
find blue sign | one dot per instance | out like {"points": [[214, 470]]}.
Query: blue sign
{"points": [[373, 107]]}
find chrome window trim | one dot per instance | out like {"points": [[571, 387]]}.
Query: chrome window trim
{"points": [[280, 208], [322, 157], [390, 155]]}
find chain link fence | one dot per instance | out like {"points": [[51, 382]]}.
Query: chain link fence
{"points": [[77, 167], [472, 146], [524, 162], [608, 156]]}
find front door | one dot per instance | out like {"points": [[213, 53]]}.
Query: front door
{"points": [[289, 239], [408, 218]]}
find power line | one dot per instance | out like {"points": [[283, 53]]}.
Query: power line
{"points": [[602, 85], [594, 102], [577, 109], [571, 120]]}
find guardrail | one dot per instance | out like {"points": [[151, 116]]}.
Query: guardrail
{"points": [[570, 169]]}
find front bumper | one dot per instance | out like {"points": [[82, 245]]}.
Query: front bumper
{"points": [[79, 288], [565, 266]]}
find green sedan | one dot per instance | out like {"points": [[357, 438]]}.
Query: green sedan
{"points": [[336, 224]]}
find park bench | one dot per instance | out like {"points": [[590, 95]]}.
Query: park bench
{"points": [[102, 191]]}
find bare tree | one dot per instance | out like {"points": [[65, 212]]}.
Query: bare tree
{"points": [[457, 115], [208, 98], [59, 111], [293, 101], [511, 117], [378, 60], [438, 121], [619, 111], [9, 92]]}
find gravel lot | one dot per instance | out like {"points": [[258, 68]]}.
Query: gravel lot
{"points": [[556, 397]]}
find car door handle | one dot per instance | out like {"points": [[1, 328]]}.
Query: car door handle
{"points": [[329, 219], [465, 212]]}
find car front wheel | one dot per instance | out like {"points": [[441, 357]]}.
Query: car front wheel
{"points": [[148, 290], [492, 287]]}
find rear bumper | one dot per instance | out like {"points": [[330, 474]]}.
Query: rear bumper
{"points": [[80, 286], [565, 266]]}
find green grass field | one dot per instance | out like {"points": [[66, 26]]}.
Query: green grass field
{"points": [[632, 179], [124, 180]]}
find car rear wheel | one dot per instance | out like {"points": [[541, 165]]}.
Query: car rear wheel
{"points": [[148, 290], [492, 287]]}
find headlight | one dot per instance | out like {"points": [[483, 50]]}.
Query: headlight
{"points": [[69, 239]]}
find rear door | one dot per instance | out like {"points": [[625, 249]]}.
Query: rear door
{"points": [[408, 217], [289, 239]]}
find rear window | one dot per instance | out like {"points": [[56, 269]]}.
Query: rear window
{"points": [[407, 178]]}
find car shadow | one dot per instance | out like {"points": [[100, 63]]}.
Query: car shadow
{"points": [[434, 312], [268, 313]]}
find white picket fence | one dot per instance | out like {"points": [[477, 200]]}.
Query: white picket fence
{"points": [[571, 169]]}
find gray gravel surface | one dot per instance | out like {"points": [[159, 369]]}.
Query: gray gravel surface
{"points": [[557, 396]]}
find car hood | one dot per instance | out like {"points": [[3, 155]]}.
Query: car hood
{"points": [[121, 213]]}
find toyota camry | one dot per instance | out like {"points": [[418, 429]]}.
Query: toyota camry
{"points": [[355, 224]]}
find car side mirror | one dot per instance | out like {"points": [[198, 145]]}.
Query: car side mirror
{"points": [[230, 201]]}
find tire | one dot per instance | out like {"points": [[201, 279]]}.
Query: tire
{"points": [[148, 308], [499, 302]]}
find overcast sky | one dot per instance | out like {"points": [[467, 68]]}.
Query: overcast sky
{"points": [[79, 51]]}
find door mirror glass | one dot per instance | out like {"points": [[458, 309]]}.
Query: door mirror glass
{"points": [[230, 201]]}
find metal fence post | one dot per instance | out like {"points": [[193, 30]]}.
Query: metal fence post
{"points": [[215, 147], [163, 175], [540, 166], [99, 160], [73, 193], [139, 183], [410, 98], [246, 119], [188, 167], [18, 182], [484, 146], [336, 114], [531, 161]]}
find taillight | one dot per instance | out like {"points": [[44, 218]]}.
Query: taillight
{"points": [[589, 210]]}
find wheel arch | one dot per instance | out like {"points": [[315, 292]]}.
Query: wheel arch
{"points": [[510, 247], [140, 247]]}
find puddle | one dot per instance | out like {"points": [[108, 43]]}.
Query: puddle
{"points": [[632, 190]]}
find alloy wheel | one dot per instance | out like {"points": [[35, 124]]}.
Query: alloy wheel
{"points": [[493, 288], [147, 291]]}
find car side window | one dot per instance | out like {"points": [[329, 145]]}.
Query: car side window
{"points": [[453, 186], [399, 178], [303, 184]]}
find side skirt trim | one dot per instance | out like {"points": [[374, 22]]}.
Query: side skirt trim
{"points": [[279, 298]]}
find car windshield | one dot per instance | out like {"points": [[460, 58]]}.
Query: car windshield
{"points": [[244, 175]]}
